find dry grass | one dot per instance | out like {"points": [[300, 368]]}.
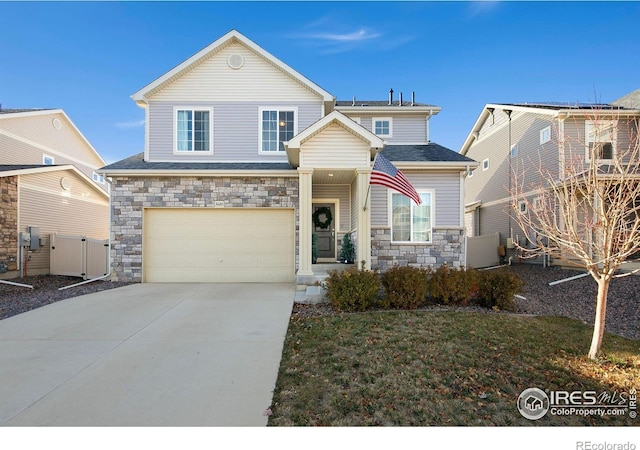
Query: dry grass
{"points": [[440, 368]]}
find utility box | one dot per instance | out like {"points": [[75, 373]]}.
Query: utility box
{"points": [[510, 243], [25, 239], [34, 243]]}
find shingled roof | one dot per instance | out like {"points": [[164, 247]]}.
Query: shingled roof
{"points": [[430, 152], [137, 162]]}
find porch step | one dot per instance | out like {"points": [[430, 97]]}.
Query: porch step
{"points": [[312, 295]]}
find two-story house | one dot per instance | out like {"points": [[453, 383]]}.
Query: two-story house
{"points": [[49, 184], [245, 160], [522, 145]]}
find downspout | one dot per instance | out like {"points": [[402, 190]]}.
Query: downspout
{"points": [[508, 113]]}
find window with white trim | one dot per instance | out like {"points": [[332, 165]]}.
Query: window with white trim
{"points": [[522, 206], [98, 178], [277, 126], [545, 135], [411, 222], [382, 126], [194, 129], [48, 160], [485, 164], [600, 139], [514, 151]]}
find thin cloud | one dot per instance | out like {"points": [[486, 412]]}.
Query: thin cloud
{"points": [[321, 35], [482, 7], [132, 124], [355, 36]]}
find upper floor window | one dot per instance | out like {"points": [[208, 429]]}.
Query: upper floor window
{"points": [[48, 160], [98, 178], [600, 139], [545, 135], [193, 130], [485, 164], [383, 126], [514, 151], [411, 222], [277, 126]]}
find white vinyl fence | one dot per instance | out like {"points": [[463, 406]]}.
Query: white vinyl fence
{"points": [[482, 251], [79, 256]]}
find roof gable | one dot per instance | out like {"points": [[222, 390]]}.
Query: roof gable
{"points": [[14, 170], [331, 119], [27, 116], [231, 38]]}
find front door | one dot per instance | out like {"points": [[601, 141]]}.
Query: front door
{"points": [[325, 229]]}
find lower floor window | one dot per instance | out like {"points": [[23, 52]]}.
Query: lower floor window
{"points": [[411, 222]]}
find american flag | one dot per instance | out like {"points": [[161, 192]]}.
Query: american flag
{"points": [[386, 174]]}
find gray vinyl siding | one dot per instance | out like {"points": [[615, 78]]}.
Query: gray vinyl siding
{"points": [[235, 130], [446, 187], [412, 129], [406, 129], [494, 183], [340, 192], [534, 160], [575, 138], [495, 218]]}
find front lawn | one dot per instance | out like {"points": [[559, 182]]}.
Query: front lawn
{"points": [[419, 368]]}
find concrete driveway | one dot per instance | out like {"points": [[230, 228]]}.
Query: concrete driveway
{"points": [[146, 355]]}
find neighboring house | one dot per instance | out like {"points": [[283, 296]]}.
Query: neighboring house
{"points": [[245, 159], [533, 136], [49, 184]]}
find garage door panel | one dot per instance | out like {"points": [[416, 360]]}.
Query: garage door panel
{"points": [[213, 245]]}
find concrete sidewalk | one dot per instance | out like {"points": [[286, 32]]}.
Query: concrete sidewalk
{"points": [[146, 355]]}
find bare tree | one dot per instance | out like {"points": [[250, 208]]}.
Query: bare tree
{"points": [[587, 211]]}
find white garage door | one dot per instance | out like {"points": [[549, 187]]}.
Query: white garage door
{"points": [[218, 245]]}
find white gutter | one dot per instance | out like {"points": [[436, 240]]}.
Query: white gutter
{"points": [[462, 165]]}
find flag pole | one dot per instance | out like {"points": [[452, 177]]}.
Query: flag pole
{"points": [[366, 200]]}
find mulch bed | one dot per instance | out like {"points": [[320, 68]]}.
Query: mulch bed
{"points": [[16, 300], [575, 299]]}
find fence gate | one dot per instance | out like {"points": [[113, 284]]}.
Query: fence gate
{"points": [[79, 256], [482, 251]]}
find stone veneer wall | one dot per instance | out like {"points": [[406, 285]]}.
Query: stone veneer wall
{"points": [[447, 248], [129, 195], [9, 222]]}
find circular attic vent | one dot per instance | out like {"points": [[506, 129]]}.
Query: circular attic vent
{"points": [[65, 183], [235, 61], [56, 123]]}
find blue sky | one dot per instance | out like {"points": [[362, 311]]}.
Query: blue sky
{"points": [[88, 58]]}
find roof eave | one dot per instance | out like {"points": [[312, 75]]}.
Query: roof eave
{"points": [[196, 172], [439, 165], [431, 110]]}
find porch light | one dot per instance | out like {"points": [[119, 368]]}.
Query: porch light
{"points": [[330, 174]]}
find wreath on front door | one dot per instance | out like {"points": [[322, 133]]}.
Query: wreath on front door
{"points": [[323, 224]]}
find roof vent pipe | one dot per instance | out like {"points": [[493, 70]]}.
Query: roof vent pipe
{"points": [[390, 97], [413, 98], [400, 103]]}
